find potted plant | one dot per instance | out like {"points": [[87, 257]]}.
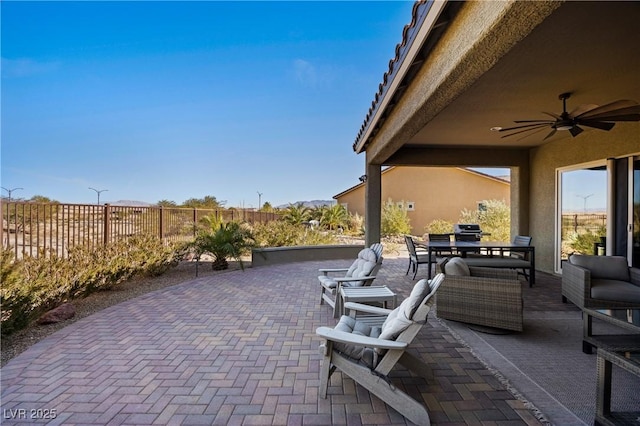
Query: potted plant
{"points": [[228, 240]]}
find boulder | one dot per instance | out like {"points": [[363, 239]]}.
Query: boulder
{"points": [[59, 314]]}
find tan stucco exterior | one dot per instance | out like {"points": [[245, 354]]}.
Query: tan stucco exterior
{"points": [[435, 192]]}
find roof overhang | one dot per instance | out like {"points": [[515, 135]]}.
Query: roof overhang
{"points": [[471, 66]]}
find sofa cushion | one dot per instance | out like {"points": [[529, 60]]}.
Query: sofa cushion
{"points": [[606, 267], [456, 266], [604, 289]]}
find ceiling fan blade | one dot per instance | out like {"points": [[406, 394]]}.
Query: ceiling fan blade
{"points": [[556, 116], [526, 129], [575, 131], [623, 114], [581, 109], [597, 124], [535, 121], [526, 126], [623, 104], [551, 133], [628, 117], [530, 134]]}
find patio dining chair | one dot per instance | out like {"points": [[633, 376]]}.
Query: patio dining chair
{"points": [[367, 348], [362, 272], [417, 256], [443, 238], [519, 240]]}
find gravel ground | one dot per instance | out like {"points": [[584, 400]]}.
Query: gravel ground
{"points": [[15, 344]]}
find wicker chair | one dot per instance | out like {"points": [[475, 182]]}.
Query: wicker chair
{"points": [[484, 296], [600, 281]]}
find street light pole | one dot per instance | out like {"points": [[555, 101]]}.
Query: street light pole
{"points": [[10, 191], [98, 192]]}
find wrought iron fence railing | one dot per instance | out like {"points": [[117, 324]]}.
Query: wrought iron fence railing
{"points": [[34, 228], [583, 222]]}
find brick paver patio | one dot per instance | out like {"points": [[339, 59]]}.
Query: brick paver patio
{"points": [[236, 348]]}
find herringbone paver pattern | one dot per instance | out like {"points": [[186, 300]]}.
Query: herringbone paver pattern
{"points": [[236, 348]]}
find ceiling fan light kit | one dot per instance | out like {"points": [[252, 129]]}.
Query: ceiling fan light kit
{"points": [[598, 117]]}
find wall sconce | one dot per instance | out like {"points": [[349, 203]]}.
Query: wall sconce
{"points": [[363, 178]]}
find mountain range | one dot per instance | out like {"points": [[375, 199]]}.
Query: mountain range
{"points": [[310, 204]]}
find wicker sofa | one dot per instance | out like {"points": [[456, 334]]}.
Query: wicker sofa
{"points": [[484, 296], [600, 281]]}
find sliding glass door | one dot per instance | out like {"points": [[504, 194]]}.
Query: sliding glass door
{"points": [[595, 202], [582, 219], [635, 225]]}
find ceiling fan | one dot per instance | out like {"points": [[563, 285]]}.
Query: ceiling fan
{"points": [[598, 117]]}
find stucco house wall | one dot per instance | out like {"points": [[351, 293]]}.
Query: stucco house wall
{"points": [[435, 192]]}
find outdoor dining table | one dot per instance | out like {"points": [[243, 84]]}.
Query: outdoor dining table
{"points": [[464, 247]]}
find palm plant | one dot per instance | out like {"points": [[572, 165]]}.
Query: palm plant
{"points": [[334, 217], [229, 240], [296, 214]]}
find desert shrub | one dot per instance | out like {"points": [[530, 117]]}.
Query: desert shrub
{"points": [[281, 233], [278, 233], [14, 298], [355, 224], [394, 219], [583, 242], [439, 226], [34, 285], [494, 219], [316, 237]]}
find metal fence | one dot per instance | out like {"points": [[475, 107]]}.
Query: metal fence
{"points": [[34, 228], [582, 222]]}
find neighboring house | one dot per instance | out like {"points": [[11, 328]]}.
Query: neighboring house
{"points": [[430, 193], [463, 72]]}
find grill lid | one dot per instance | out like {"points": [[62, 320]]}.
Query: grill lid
{"points": [[467, 228]]}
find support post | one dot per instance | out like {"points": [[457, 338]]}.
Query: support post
{"points": [[373, 203], [107, 224]]}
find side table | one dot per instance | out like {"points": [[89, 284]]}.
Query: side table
{"points": [[381, 294], [629, 361], [628, 319]]}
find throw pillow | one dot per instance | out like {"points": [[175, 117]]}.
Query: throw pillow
{"points": [[456, 266]]}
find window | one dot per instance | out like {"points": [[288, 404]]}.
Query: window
{"points": [[411, 206]]}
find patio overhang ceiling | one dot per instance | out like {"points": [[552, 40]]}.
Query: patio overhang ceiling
{"points": [[465, 67]]}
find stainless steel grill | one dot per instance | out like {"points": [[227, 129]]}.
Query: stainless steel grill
{"points": [[467, 231]]}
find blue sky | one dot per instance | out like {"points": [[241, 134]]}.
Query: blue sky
{"points": [[179, 100], [584, 191]]}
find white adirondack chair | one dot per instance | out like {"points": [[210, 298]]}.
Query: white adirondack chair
{"points": [[362, 272], [367, 349]]}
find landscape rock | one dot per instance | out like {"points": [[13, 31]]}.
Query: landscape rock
{"points": [[59, 314]]}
